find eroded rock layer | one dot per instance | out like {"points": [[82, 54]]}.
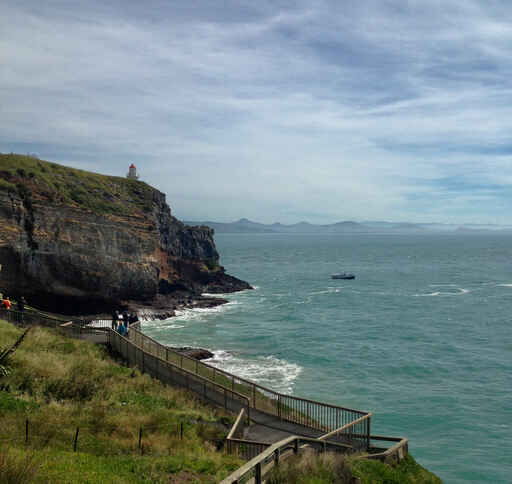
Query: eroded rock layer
{"points": [[75, 241]]}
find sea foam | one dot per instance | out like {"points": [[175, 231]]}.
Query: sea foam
{"points": [[269, 371]]}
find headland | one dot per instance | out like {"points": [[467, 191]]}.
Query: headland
{"points": [[77, 242]]}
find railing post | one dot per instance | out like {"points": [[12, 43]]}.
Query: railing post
{"points": [[166, 354], [279, 407], [257, 476], [368, 433], [277, 454], [254, 396]]}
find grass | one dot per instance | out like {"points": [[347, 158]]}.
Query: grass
{"points": [[328, 468], [62, 185], [59, 385]]}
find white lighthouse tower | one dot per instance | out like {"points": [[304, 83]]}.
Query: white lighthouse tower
{"points": [[132, 172]]}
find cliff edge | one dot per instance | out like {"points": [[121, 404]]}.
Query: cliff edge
{"points": [[73, 241]]}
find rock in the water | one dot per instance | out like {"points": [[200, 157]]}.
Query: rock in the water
{"points": [[197, 353]]}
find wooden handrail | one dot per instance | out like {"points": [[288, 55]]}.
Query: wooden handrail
{"points": [[293, 442]]}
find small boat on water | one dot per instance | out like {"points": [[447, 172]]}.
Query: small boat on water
{"points": [[343, 275]]}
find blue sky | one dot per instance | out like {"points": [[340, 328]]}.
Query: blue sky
{"points": [[276, 111]]}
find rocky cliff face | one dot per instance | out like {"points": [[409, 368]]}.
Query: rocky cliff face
{"points": [[73, 241]]}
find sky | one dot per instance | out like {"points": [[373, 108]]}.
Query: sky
{"points": [[284, 111]]}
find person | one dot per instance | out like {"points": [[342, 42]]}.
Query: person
{"points": [[21, 304], [6, 303], [125, 318], [133, 318], [121, 329], [115, 318]]}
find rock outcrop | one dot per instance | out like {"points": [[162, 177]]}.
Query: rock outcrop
{"points": [[73, 241]]}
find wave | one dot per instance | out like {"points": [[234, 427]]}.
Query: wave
{"points": [[198, 314], [460, 291], [268, 371]]}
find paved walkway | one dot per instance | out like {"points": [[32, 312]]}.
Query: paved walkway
{"points": [[270, 429]]}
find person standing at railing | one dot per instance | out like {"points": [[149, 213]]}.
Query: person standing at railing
{"points": [[115, 318], [121, 329], [6, 303], [21, 304]]}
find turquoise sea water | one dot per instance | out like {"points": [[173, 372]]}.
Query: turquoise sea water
{"points": [[422, 337]]}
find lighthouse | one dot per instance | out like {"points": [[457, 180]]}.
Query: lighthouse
{"points": [[132, 172]]}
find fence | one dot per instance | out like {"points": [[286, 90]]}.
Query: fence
{"points": [[170, 373], [237, 445], [97, 438], [218, 386], [29, 318], [309, 413], [257, 468], [392, 455]]}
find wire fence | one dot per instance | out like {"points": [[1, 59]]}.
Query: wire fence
{"points": [[104, 438]]}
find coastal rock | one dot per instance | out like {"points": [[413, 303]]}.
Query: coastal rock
{"points": [[196, 353], [78, 242]]}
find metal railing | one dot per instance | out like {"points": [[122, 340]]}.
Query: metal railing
{"points": [[237, 445], [29, 318], [337, 423], [346, 424], [170, 373]]}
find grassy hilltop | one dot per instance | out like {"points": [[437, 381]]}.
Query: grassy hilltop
{"points": [[60, 184]]}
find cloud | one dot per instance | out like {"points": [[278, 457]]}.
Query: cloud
{"points": [[271, 110]]}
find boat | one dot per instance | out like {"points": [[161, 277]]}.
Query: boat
{"points": [[343, 275]]}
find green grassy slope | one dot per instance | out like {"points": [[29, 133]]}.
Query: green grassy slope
{"points": [[60, 384], [332, 469], [68, 186]]}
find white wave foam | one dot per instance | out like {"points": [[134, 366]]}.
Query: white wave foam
{"points": [[330, 290], [460, 290], [198, 314], [269, 371], [504, 285]]}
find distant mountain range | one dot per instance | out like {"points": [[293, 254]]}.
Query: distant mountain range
{"points": [[247, 226]]}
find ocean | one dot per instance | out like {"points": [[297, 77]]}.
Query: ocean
{"points": [[421, 338]]}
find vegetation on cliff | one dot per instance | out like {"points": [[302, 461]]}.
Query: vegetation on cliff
{"points": [[329, 468], [59, 384], [62, 185]]}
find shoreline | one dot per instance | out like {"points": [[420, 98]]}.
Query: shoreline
{"points": [[166, 308]]}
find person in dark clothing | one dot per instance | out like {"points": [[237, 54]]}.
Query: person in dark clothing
{"points": [[115, 318], [21, 304], [133, 318]]}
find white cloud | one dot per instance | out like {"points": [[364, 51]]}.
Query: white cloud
{"points": [[328, 110]]}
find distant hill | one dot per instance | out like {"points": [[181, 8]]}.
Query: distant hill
{"points": [[246, 226]]}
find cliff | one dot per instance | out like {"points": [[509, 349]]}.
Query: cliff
{"points": [[76, 241]]}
